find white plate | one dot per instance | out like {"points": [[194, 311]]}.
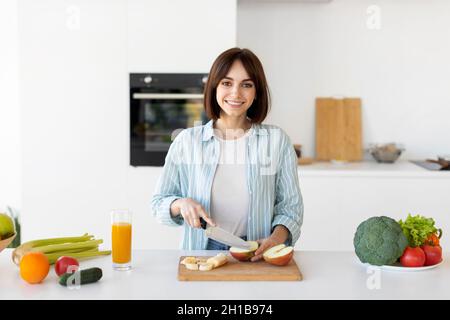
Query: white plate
{"points": [[399, 268]]}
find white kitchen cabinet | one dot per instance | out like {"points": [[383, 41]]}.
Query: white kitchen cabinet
{"points": [[75, 59], [74, 98], [178, 35], [338, 198]]}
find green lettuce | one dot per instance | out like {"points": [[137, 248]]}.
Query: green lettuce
{"points": [[417, 228]]}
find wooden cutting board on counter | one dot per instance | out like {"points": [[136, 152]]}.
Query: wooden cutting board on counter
{"points": [[338, 129], [235, 270]]}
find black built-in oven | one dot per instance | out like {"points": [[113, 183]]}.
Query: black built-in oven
{"points": [[160, 105]]}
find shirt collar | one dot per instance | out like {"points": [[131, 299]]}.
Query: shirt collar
{"points": [[208, 130]]}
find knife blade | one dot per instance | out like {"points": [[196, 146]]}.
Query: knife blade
{"points": [[223, 236]]}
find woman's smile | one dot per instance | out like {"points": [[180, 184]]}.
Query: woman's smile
{"points": [[234, 103]]}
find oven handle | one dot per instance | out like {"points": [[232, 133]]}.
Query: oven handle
{"points": [[167, 96]]}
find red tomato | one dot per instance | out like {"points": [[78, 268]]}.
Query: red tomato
{"points": [[433, 254], [63, 263], [413, 257]]}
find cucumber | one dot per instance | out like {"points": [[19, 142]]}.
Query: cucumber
{"points": [[86, 276]]}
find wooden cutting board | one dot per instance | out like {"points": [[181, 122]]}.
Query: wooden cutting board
{"points": [[338, 129], [236, 270]]}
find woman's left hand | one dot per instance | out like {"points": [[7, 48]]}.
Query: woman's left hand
{"points": [[279, 236], [264, 244]]}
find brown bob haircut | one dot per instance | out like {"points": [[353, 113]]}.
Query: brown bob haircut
{"points": [[260, 106]]}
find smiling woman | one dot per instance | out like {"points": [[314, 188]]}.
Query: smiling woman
{"points": [[233, 172], [237, 76]]}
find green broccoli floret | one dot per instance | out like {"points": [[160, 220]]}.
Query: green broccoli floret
{"points": [[379, 241]]}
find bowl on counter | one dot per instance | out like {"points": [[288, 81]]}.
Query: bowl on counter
{"points": [[385, 153], [6, 242]]}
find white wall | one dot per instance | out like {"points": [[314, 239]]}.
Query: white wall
{"points": [[400, 71], [75, 60], [10, 151]]}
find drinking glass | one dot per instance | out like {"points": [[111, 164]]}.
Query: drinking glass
{"points": [[121, 239]]}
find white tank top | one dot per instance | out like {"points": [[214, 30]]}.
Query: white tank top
{"points": [[229, 193]]}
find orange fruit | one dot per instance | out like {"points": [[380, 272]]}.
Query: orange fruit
{"points": [[34, 267]]}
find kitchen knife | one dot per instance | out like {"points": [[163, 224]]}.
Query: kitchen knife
{"points": [[223, 236]]}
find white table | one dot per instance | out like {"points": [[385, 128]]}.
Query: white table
{"points": [[327, 275]]}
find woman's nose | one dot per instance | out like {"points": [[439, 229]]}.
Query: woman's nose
{"points": [[235, 89]]}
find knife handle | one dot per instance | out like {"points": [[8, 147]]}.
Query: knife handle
{"points": [[203, 223]]}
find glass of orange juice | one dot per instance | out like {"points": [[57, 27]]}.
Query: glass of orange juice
{"points": [[121, 239]]}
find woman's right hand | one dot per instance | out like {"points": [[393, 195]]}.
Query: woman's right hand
{"points": [[191, 211]]}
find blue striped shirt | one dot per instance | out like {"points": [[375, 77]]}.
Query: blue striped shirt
{"points": [[272, 181]]}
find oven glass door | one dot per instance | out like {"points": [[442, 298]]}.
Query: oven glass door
{"points": [[156, 118]]}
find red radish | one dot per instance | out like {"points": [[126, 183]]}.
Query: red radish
{"points": [[66, 264]]}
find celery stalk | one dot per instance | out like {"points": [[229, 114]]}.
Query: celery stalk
{"points": [[66, 246], [51, 241], [85, 244], [52, 257], [76, 250]]}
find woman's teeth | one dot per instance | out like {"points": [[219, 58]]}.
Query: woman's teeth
{"points": [[234, 103]]}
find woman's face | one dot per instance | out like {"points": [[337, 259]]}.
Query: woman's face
{"points": [[236, 92]]}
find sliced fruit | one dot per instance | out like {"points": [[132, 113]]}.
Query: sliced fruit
{"points": [[190, 260], [204, 263], [242, 254], [204, 266], [279, 255], [191, 266], [218, 260]]}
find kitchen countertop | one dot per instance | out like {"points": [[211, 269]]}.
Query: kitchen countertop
{"points": [[327, 275], [401, 168]]}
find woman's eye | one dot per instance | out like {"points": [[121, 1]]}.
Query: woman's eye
{"points": [[226, 83], [248, 85]]}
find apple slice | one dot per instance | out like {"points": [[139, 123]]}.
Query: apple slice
{"points": [[279, 255], [242, 254]]}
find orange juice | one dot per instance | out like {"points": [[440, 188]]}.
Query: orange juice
{"points": [[121, 242]]}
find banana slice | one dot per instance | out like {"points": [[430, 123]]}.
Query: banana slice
{"points": [[218, 260], [204, 266], [189, 260], [191, 266]]}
